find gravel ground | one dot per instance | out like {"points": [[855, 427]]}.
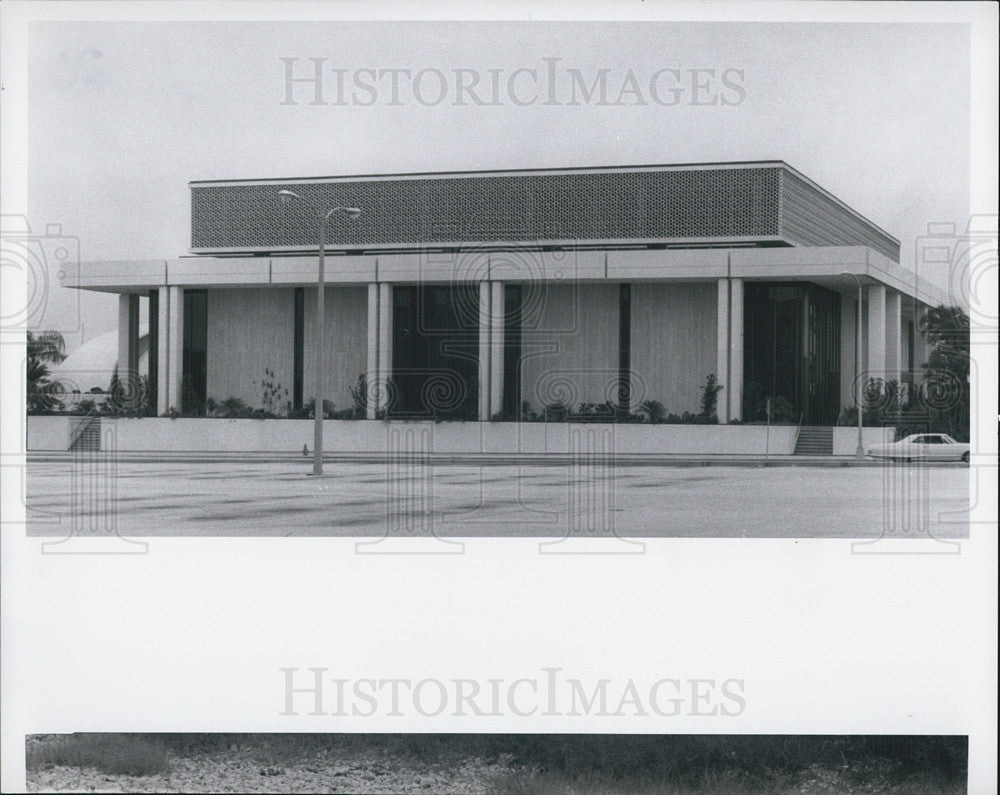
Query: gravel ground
{"points": [[372, 771], [244, 772]]}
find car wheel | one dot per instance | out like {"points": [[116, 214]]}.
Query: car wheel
{"points": [[965, 458]]}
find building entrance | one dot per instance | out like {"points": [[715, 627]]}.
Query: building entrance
{"points": [[435, 352], [791, 352]]}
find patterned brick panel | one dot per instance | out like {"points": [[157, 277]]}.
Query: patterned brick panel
{"points": [[808, 218], [704, 204]]}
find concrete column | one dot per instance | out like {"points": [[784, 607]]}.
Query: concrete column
{"points": [[497, 318], [893, 334], [175, 345], [848, 349], [133, 335], [722, 351], [124, 331], [163, 352], [384, 344], [735, 385], [372, 370], [875, 361], [485, 296]]}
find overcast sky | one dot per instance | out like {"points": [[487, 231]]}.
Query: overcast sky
{"points": [[123, 115]]}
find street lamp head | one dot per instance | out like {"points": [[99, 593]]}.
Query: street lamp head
{"points": [[286, 196], [351, 212], [857, 279]]}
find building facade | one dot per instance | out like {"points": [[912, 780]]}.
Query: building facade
{"points": [[476, 296]]}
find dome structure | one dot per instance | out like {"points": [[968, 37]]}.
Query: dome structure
{"points": [[92, 365]]}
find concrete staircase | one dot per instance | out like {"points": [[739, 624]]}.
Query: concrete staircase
{"points": [[87, 436], [814, 441]]}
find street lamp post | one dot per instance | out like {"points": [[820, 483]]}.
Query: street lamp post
{"points": [[860, 452], [287, 197]]}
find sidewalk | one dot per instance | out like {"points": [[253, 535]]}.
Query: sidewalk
{"points": [[480, 459]]}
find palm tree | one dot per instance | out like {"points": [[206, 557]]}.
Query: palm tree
{"points": [[46, 349], [946, 324], [946, 388]]}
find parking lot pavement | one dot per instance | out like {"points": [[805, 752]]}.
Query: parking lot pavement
{"points": [[282, 499]]}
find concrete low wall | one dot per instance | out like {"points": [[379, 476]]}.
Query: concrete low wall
{"points": [[48, 433], [365, 436], [845, 440]]}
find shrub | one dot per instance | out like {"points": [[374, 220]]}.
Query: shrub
{"points": [[782, 410], [755, 399], [710, 395], [85, 406], [231, 408], [307, 412], [359, 394], [653, 410], [126, 398], [271, 394], [555, 412], [596, 412], [886, 403], [650, 411]]}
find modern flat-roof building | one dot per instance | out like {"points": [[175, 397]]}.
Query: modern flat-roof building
{"points": [[467, 295]]}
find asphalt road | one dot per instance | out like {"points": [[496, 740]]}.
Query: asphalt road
{"points": [[375, 500]]}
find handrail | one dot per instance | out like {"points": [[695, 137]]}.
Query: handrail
{"points": [[79, 428], [798, 431]]}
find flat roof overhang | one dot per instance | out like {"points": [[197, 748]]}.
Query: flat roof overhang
{"points": [[822, 265]]}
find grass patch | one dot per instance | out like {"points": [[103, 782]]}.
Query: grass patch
{"points": [[567, 764], [685, 759], [734, 765], [713, 783], [114, 754]]}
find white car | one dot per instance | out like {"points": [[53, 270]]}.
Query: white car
{"points": [[923, 446]]}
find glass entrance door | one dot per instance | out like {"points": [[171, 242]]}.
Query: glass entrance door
{"points": [[435, 352], [791, 352]]}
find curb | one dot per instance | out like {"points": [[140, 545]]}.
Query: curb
{"points": [[482, 459]]}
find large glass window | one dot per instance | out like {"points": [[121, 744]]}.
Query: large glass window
{"points": [[153, 382], [512, 351], [435, 352], [791, 353], [194, 376], [298, 346]]}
